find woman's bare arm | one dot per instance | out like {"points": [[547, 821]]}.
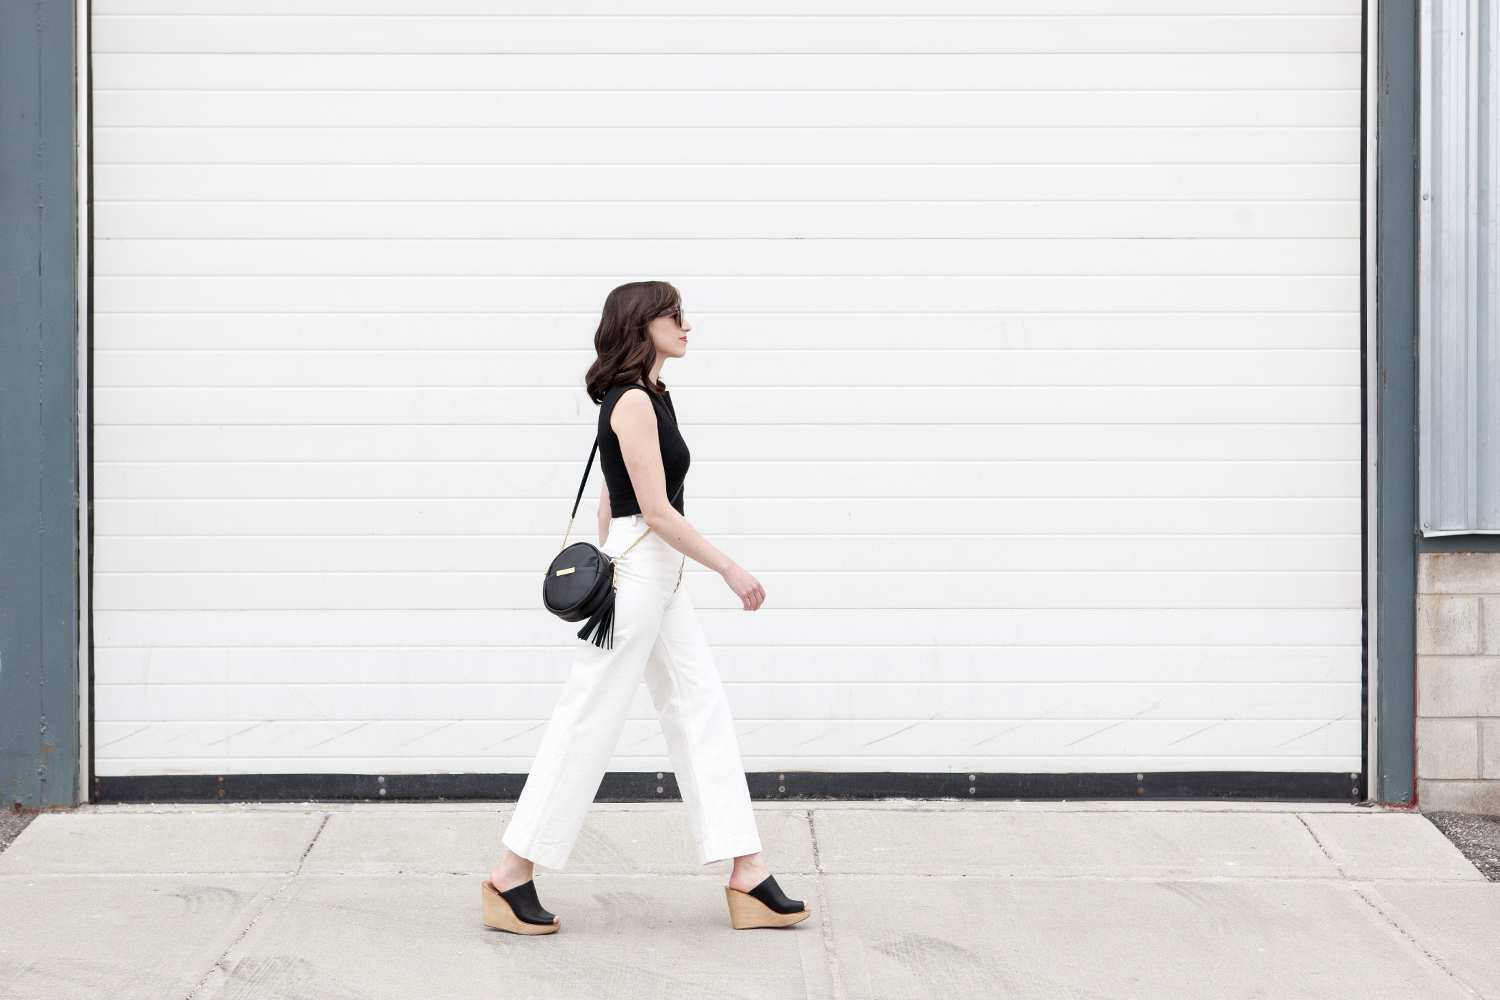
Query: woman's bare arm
{"points": [[603, 512], [634, 422]]}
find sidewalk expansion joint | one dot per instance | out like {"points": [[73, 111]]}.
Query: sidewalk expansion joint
{"points": [[1413, 940], [321, 827], [1321, 846], [824, 916], [218, 966]]}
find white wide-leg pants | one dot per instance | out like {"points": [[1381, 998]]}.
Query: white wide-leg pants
{"points": [[656, 635]]}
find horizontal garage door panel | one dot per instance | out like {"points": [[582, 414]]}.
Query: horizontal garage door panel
{"points": [[1230, 628], [1301, 659], [758, 259], [725, 33], [790, 553], [668, 8], [920, 745], [834, 589], [725, 368], [775, 146], [673, 72], [784, 109], [759, 220], [734, 480], [572, 328], [726, 442], [1025, 374], [769, 405], [919, 517]]}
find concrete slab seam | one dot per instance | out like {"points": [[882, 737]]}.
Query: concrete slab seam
{"points": [[1363, 893], [1187, 878], [214, 984], [321, 827], [1321, 846], [1054, 876], [824, 917]]}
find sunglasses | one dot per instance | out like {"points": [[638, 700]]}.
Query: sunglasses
{"points": [[675, 312]]}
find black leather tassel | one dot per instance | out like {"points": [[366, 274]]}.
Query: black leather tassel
{"points": [[602, 624]]}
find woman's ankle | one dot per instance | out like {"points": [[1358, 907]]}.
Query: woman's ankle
{"points": [[749, 872], [513, 870]]}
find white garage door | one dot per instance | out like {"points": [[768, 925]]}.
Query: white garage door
{"points": [[1025, 374]]}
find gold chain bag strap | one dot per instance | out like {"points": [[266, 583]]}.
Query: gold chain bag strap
{"points": [[580, 583]]}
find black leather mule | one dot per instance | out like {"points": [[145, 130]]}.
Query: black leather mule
{"points": [[516, 910], [764, 906]]}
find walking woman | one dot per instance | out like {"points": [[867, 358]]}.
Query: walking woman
{"points": [[655, 634]]}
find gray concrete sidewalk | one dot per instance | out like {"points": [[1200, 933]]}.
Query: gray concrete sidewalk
{"points": [[911, 900]]}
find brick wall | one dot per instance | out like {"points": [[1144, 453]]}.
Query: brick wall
{"points": [[1458, 681]]}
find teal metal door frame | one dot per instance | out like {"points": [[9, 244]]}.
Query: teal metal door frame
{"points": [[40, 737]]}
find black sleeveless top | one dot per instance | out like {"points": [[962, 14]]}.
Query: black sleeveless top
{"points": [[675, 458]]}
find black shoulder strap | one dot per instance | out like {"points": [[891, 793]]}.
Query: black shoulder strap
{"points": [[584, 482]]}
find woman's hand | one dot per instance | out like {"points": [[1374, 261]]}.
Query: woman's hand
{"points": [[751, 594]]}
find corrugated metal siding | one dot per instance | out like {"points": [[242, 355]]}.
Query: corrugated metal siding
{"points": [[1025, 374], [1460, 268]]}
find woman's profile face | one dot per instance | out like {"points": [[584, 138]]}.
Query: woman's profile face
{"points": [[669, 338]]}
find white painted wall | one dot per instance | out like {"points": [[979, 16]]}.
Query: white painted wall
{"points": [[1025, 374]]}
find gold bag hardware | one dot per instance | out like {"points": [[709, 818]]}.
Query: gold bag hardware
{"points": [[565, 572]]}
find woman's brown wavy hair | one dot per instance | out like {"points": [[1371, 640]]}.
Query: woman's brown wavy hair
{"points": [[625, 350]]}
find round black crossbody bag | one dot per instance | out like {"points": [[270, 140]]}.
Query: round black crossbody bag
{"points": [[580, 583]]}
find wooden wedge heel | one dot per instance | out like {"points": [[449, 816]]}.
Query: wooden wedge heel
{"points": [[764, 906], [516, 910]]}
